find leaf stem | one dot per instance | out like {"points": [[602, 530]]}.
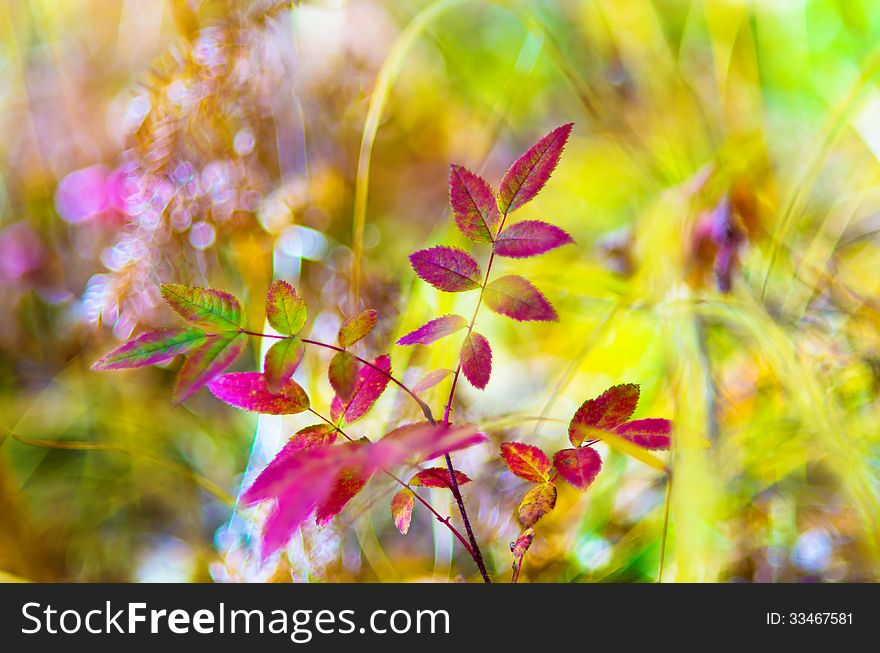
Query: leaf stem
{"points": [[402, 483], [665, 527]]}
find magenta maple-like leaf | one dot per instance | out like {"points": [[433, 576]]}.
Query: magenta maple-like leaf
{"points": [[247, 390], [530, 172], [368, 387], [578, 467], [610, 409], [650, 433], [434, 330], [474, 208], [476, 360], [447, 268], [516, 298], [530, 238]]}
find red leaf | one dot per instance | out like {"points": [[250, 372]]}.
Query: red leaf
{"points": [[447, 268], [537, 502], [206, 307], [473, 204], [247, 390], [476, 360], [215, 355], [317, 435], [430, 380], [401, 509], [355, 328], [438, 477], [152, 348], [578, 466], [346, 486], [530, 172], [518, 299], [285, 310], [650, 433], [343, 374], [526, 461], [610, 409], [530, 238], [519, 548], [368, 387], [281, 362], [434, 330]]}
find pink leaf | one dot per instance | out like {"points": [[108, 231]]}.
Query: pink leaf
{"points": [[401, 509], [206, 307], [369, 386], [342, 374], [348, 483], [476, 360], [281, 361], [518, 299], [530, 238], [610, 409], [247, 390], [285, 310], [447, 268], [355, 328], [438, 477], [526, 461], [301, 481], [473, 204], [530, 172], [430, 380], [434, 330], [152, 348], [650, 433], [578, 467], [215, 355]]}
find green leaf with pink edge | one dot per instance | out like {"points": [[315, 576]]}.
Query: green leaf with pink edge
{"points": [[206, 307], [650, 433], [578, 467], [402, 505], [248, 391], [286, 312], [356, 327], [217, 353], [447, 268], [438, 477], [152, 348], [476, 360], [430, 380], [537, 502], [607, 411], [434, 330], [528, 174], [368, 387], [530, 238], [281, 361], [343, 373], [474, 208], [526, 461], [516, 298]]}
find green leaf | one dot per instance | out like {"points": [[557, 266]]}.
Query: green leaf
{"points": [[213, 309], [152, 348], [355, 328], [342, 374], [285, 310], [209, 360], [281, 362]]}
